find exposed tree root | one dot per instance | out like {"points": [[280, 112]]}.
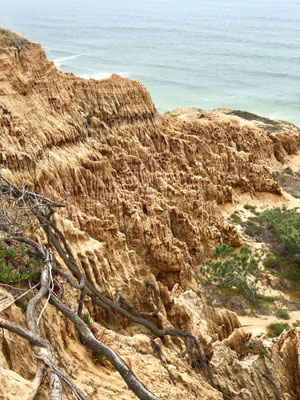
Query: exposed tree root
{"points": [[278, 397], [157, 354]]}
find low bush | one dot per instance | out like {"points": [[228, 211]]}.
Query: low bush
{"points": [[236, 218], [251, 208], [89, 117], [257, 347], [280, 227], [252, 229], [265, 308], [233, 269], [267, 299], [273, 262], [16, 265], [283, 314], [284, 225], [9, 38], [276, 329], [289, 171]]}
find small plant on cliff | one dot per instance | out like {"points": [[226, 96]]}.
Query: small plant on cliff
{"points": [[98, 358], [257, 347], [16, 265], [85, 115], [87, 319], [238, 269], [289, 171], [89, 117], [5, 111]]}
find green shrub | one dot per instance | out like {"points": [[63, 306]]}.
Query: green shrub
{"points": [[272, 262], [284, 224], [252, 229], [21, 305], [236, 218], [257, 347], [268, 299], [265, 303], [292, 274], [89, 118], [233, 269], [289, 171], [5, 111], [283, 314], [99, 358], [265, 308], [276, 329], [16, 265], [250, 208], [281, 228]]}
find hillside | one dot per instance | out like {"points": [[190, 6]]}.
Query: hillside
{"points": [[146, 194]]}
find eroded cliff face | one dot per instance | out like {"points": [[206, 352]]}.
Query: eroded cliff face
{"points": [[144, 203]]}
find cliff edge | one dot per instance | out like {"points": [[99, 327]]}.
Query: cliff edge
{"points": [[145, 197]]}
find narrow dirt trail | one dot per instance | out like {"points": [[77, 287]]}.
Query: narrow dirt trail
{"points": [[258, 325]]}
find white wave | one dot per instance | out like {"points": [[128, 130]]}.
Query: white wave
{"points": [[102, 75], [59, 61]]}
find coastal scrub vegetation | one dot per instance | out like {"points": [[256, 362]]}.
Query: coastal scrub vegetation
{"points": [[289, 171], [9, 38], [280, 228], [235, 217], [230, 268], [283, 314], [276, 328]]}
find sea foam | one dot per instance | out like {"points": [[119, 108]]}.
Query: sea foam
{"points": [[103, 75], [59, 61]]}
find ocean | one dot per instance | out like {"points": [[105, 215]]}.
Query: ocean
{"points": [[239, 54]]}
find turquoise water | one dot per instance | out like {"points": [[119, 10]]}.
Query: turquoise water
{"points": [[240, 54]]}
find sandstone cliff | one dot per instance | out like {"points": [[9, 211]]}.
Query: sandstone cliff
{"points": [[145, 196]]}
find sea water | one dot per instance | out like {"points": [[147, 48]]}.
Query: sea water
{"points": [[239, 54]]}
